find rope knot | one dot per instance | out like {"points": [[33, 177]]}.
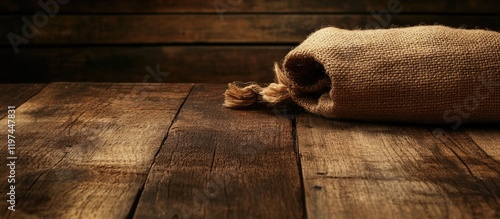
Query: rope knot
{"points": [[243, 95]]}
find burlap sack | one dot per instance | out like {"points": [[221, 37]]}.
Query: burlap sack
{"points": [[422, 74]]}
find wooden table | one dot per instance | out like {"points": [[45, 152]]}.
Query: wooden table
{"points": [[97, 150]]}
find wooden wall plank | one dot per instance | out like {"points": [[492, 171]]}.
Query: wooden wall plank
{"points": [[143, 29], [16, 95], [209, 64], [84, 149], [223, 163], [361, 170], [255, 6]]}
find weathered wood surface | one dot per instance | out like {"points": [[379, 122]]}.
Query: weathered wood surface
{"points": [[127, 64], [244, 29], [16, 95], [365, 170], [191, 48], [84, 150], [488, 138], [222, 163], [101, 150], [255, 6], [121, 28]]}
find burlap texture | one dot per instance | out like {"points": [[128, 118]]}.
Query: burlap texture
{"points": [[422, 74]]}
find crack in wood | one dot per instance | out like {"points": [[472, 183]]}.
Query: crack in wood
{"points": [[137, 198]]}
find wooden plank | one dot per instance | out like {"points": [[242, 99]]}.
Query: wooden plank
{"points": [[253, 6], [244, 29], [16, 95], [365, 170], [487, 138], [209, 64], [84, 150], [483, 167], [223, 163]]}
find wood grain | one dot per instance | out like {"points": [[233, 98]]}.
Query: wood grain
{"points": [[16, 95], [487, 138], [127, 64], [483, 167], [223, 163], [84, 149], [254, 6], [241, 29], [366, 170], [100, 150]]}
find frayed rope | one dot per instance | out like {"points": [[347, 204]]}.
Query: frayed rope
{"points": [[243, 95]]}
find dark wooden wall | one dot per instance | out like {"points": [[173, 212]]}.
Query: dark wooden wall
{"points": [[197, 41]]}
